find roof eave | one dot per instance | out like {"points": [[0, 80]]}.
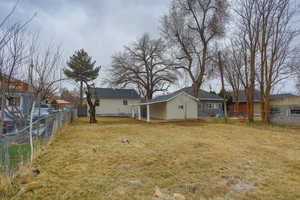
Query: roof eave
{"points": [[210, 99], [166, 100]]}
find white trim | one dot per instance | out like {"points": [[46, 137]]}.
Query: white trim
{"points": [[208, 99], [139, 113], [148, 113]]}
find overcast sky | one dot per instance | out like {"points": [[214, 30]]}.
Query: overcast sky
{"points": [[101, 27]]}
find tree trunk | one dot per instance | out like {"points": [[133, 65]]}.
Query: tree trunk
{"points": [[81, 93], [262, 90], [252, 84], [92, 107], [262, 106], [93, 114], [221, 69], [250, 109], [238, 101], [149, 95], [195, 90], [267, 110], [267, 105]]}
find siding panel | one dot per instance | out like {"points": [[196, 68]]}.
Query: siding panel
{"points": [[189, 111], [115, 107]]}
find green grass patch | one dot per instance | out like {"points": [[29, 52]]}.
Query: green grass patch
{"points": [[17, 153]]}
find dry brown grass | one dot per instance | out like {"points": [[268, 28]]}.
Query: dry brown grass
{"points": [[209, 161]]}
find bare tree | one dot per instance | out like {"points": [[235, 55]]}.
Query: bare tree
{"points": [[275, 50], [44, 71], [12, 59], [144, 66], [13, 55], [233, 64], [71, 96], [248, 39], [190, 28]]}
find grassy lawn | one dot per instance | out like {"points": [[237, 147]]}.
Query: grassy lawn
{"points": [[200, 160]]}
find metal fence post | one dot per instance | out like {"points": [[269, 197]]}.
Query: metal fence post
{"points": [[30, 132]]}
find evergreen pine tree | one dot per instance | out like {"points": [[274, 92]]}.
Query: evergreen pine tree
{"points": [[82, 69]]}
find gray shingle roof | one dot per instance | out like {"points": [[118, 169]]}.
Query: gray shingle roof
{"points": [[203, 95], [110, 93], [243, 97], [279, 96], [257, 97], [163, 98]]}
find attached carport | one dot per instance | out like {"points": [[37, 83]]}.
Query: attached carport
{"points": [[174, 106]]}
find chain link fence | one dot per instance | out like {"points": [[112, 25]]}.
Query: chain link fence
{"points": [[15, 148]]}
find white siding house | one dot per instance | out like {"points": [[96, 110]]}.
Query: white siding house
{"points": [[115, 102], [175, 106]]}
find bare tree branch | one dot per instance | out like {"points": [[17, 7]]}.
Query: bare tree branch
{"points": [[144, 66], [190, 28]]}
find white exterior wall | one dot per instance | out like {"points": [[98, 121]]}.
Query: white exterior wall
{"points": [[286, 101], [189, 111], [257, 109], [115, 107], [158, 110]]}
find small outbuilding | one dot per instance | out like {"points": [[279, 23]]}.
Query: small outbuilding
{"points": [[175, 106]]}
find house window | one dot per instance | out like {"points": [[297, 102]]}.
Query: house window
{"points": [[125, 102], [275, 110], [210, 106], [295, 111], [97, 103], [180, 107], [14, 101]]}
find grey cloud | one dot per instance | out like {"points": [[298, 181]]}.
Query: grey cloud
{"points": [[102, 27]]}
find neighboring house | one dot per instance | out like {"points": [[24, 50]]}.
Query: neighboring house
{"points": [[16, 94], [60, 103], [240, 108], [285, 99], [209, 104], [285, 114], [285, 109], [175, 106], [114, 102], [276, 99]]}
